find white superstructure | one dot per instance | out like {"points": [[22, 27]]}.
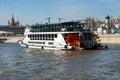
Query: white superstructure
{"points": [[68, 35]]}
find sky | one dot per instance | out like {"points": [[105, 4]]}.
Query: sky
{"points": [[36, 11]]}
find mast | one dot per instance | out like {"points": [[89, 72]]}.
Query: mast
{"points": [[59, 20], [48, 19]]}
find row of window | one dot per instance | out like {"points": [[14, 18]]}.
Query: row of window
{"points": [[54, 26], [42, 36], [46, 30], [47, 25], [50, 43], [36, 42], [57, 29]]}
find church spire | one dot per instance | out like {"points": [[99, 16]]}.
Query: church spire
{"points": [[12, 15], [12, 19], [12, 22]]}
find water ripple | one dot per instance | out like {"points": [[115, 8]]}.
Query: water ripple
{"points": [[18, 63]]}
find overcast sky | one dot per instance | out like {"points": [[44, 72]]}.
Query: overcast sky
{"points": [[32, 11]]}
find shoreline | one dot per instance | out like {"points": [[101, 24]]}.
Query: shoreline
{"points": [[12, 39], [105, 39], [110, 39]]}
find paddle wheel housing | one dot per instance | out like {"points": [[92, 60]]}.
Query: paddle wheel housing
{"points": [[96, 39], [73, 39]]}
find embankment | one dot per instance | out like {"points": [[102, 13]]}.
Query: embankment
{"points": [[12, 39], [110, 39], [105, 39]]}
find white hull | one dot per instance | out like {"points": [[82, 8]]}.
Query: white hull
{"points": [[46, 47], [50, 47]]}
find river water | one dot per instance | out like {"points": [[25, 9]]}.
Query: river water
{"points": [[17, 63]]}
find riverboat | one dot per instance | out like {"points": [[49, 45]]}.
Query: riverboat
{"points": [[72, 35]]}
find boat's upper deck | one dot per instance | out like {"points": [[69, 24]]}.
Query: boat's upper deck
{"points": [[59, 27]]}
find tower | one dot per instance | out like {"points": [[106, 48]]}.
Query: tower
{"points": [[108, 24], [11, 22], [107, 21]]}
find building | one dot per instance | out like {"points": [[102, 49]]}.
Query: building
{"points": [[116, 22], [12, 22], [12, 27], [107, 27]]}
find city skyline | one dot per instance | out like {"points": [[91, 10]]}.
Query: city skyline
{"points": [[35, 11]]}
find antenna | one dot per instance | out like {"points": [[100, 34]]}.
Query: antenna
{"points": [[48, 19], [60, 19]]}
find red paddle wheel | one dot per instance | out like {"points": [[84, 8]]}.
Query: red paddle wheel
{"points": [[73, 39]]}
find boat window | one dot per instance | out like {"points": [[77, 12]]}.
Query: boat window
{"points": [[50, 43], [43, 35], [33, 37], [43, 38], [37, 37], [49, 35], [52, 35], [40, 35], [55, 35], [28, 36], [46, 35]]}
